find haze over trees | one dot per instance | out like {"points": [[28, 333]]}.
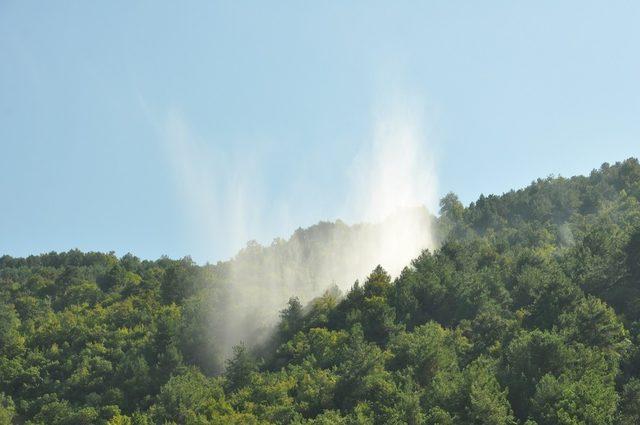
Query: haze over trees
{"points": [[527, 313]]}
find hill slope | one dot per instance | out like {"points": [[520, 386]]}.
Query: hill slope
{"points": [[528, 312]]}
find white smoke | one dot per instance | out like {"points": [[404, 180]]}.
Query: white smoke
{"points": [[218, 190], [393, 180], [396, 179]]}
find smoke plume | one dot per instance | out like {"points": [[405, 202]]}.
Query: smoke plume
{"points": [[393, 182]]}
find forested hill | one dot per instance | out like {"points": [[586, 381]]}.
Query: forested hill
{"points": [[527, 313]]}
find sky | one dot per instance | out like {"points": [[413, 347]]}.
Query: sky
{"points": [[159, 127]]}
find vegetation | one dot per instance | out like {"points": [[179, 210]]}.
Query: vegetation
{"points": [[528, 313]]}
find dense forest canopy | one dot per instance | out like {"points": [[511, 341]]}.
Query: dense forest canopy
{"points": [[527, 313]]}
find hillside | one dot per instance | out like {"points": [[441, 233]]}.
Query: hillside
{"points": [[528, 312]]}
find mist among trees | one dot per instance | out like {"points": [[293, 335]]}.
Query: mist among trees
{"points": [[528, 312]]}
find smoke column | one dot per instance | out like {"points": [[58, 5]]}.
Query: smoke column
{"points": [[393, 179]]}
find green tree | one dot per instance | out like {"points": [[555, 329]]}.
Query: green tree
{"points": [[239, 368]]}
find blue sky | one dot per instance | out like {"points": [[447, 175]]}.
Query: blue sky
{"points": [[284, 95]]}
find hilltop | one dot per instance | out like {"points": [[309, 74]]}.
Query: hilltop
{"points": [[525, 310]]}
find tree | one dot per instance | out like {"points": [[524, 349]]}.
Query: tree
{"points": [[487, 401], [239, 368], [529, 357], [629, 410], [424, 352], [595, 324], [451, 208], [179, 281], [12, 343], [7, 409], [588, 399], [190, 398], [291, 320]]}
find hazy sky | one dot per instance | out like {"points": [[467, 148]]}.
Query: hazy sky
{"points": [[276, 99]]}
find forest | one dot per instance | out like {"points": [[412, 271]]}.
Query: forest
{"points": [[528, 312]]}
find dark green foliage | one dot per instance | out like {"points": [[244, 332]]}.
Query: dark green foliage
{"points": [[7, 409], [239, 368], [291, 320], [629, 412], [190, 398], [528, 313]]}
